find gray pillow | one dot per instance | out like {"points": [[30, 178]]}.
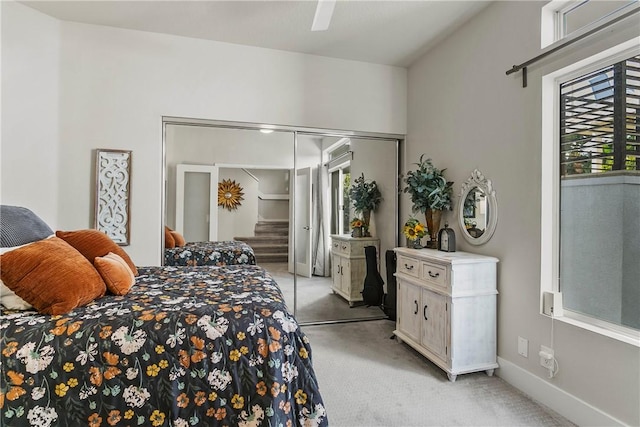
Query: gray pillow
{"points": [[19, 226]]}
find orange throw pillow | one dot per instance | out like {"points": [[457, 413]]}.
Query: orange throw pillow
{"points": [[169, 241], [94, 243], [51, 276], [177, 238], [115, 272]]}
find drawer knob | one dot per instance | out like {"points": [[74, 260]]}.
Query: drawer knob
{"points": [[424, 312], [416, 303], [344, 247], [408, 267], [435, 276]]}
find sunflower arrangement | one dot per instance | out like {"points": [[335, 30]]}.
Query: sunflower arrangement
{"points": [[356, 223], [414, 229]]}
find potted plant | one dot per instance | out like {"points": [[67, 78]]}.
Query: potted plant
{"points": [[414, 230], [356, 227], [366, 197], [430, 194]]}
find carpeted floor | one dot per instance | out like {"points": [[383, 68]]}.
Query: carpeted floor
{"points": [[316, 301], [368, 379]]}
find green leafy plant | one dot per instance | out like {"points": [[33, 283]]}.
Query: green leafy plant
{"points": [[365, 195], [428, 187]]}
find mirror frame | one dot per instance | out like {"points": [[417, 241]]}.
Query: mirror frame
{"points": [[477, 179]]}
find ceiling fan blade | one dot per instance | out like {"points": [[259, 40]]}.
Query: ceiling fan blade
{"points": [[322, 19]]}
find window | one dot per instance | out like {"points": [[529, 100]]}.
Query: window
{"points": [[599, 120], [591, 191], [562, 19], [340, 171]]}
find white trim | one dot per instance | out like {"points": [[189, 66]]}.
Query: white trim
{"points": [[272, 196], [569, 406], [339, 143], [550, 177], [551, 25], [611, 330]]}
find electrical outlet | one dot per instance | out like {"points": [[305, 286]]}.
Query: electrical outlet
{"points": [[523, 347], [547, 359]]}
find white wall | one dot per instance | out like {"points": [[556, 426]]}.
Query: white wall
{"points": [[114, 86], [30, 98], [465, 113], [239, 222], [211, 145]]}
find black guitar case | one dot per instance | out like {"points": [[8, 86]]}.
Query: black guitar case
{"points": [[390, 299], [373, 291]]}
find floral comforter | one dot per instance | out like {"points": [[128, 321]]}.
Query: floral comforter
{"points": [[187, 346], [210, 253]]}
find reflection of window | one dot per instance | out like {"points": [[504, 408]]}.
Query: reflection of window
{"points": [[470, 205], [339, 169], [590, 227]]}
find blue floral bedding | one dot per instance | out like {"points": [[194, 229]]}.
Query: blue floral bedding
{"points": [[187, 346], [210, 253]]}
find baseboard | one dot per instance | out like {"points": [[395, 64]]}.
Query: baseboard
{"points": [[574, 409]]}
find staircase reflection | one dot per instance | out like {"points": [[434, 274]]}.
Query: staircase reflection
{"points": [[270, 242]]}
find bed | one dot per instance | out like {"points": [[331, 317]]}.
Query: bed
{"points": [[210, 253], [179, 345], [187, 345]]}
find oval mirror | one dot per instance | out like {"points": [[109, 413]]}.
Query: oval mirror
{"points": [[477, 209]]}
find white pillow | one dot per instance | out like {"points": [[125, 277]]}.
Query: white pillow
{"points": [[10, 300]]}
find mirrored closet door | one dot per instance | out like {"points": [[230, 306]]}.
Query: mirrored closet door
{"points": [[285, 192]]}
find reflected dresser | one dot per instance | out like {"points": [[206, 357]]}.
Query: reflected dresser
{"points": [[446, 308], [349, 266]]}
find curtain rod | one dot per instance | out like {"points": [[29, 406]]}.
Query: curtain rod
{"points": [[568, 42], [340, 157]]}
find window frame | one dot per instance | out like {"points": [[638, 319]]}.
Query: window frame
{"points": [[550, 191], [340, 165], [552, 32]]}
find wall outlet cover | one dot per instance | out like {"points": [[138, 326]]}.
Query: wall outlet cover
{"points": [[547, 359], [523, 347]]}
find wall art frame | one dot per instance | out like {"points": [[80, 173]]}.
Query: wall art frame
{"points": [[113, 194]]}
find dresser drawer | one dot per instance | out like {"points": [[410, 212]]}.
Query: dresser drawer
{"points": [[352, 247], [408, 266], [356, 248], [434, 274], [339, 247]]}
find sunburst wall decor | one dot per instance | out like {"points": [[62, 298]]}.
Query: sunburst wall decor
{"points": [[229, 194]]}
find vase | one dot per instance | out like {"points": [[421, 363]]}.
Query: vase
{"points": [[366, 218], [414, 243], [356, 232], [433, 217]]}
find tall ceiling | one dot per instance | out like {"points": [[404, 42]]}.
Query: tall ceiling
{"points": [[384, 32]]}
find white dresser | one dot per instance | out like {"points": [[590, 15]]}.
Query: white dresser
{"points": [[349, 266], [447, 308]]}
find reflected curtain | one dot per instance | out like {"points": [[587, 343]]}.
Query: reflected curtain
{"points": [[321, 215]]}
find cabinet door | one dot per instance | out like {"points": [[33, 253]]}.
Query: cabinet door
{"points": [[434, 326], [336, 272], [409, 309], [345, 264], [357, 272]]}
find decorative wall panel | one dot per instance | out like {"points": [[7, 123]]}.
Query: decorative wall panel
{"points": [[113, 177]]}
